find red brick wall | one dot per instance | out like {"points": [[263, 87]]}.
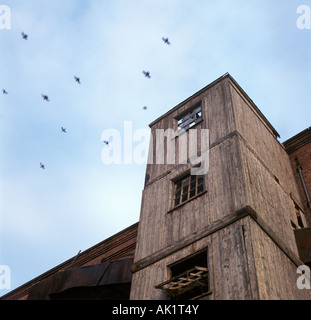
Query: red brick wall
{"points": [[299, 149]]}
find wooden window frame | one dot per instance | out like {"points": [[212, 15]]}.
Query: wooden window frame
{"points": [[185, 188], [189, 118], [191, 276]]}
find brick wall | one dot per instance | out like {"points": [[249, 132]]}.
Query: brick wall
{"points": [[299, 150]]}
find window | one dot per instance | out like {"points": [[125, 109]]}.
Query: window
{"points": [[190, 119], [187, 188], [299, 217], [189, 278]]}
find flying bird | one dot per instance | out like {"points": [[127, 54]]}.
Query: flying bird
{"points": [[145, 107], [42, 165], [45, 97], [147, 74], [25, 36], [64, 130], [4, 91], [106, 142], [166, 40], [77, 79]]}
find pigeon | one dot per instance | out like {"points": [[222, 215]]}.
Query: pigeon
{"points": [[4, 91], [77, 79], [64, 130], [145, 107], [25, 36], [45, 97], [166, 40], [42, 165], [147, 74]]}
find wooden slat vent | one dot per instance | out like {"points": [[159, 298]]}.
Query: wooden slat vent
{"points": [[197, 276]]}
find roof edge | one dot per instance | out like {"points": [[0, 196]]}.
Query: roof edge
{"points": [[62, 265], [224, 76], [188, 99], [298, 140]]}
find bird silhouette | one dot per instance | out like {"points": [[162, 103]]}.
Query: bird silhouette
{"points": [[45, 97], [42, 165], [25, 36], [147, 74], [106, 142], [4, 91], [166, 40], [64, 130], [77, 79], [145, 107]]}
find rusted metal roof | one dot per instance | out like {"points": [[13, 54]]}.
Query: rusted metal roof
{"points": [[105, 274], [113, 248]]}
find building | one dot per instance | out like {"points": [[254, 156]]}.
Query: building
{"points": [[299, 150], [225, 212], [235, 222], [100, 272]]}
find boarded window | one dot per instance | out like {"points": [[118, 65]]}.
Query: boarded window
{"points": [[189, 278]]}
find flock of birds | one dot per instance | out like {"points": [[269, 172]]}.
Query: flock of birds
{"points": [[147, 75], [77, 79]]}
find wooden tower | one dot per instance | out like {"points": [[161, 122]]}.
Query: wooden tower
{"points": [[225, 232]]}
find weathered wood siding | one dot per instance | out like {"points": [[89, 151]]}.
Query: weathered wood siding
{"points": [[144, 281], [233, 268], [217, 117], [248, 168], [225, 194], [269, 179], [244, 264], [268, 197], [276, 273], [231, 273], [263, 143]]}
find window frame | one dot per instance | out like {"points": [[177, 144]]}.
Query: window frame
{"points": [[200, 188], [301, 223], [189, 267], [186, 115]]}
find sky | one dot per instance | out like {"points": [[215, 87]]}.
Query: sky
{"points": [[48, 215]]}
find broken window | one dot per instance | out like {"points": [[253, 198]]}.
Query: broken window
{"points": [[189, 278], [190, 119]]}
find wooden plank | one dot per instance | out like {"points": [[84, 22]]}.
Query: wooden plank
{"points": [[186, 279], [208, 230], [201, 268]]}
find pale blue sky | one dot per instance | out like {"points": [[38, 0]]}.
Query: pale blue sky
{"points": [[47, 216]]}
